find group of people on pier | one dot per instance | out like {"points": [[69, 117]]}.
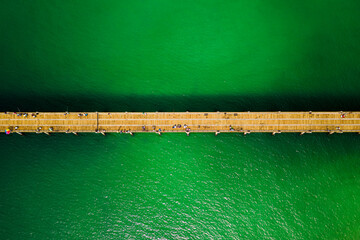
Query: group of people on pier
{"points": [[19, 114]]}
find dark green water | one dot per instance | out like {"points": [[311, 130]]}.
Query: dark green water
{"points": [[168, 56]]}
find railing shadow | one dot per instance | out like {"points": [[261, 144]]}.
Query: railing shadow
{"points": [[176, 103]]}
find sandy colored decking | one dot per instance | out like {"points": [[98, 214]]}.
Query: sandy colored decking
{"points": [[196, 121]]}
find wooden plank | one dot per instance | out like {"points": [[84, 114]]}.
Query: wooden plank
{"points": [[195, 121]]}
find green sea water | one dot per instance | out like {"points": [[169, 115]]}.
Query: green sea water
{"points": [[177, 56]]}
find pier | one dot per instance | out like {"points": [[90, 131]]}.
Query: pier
{"points": [[186, 122]]}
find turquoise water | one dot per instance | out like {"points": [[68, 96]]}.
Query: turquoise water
{"points": [[167, 56]]}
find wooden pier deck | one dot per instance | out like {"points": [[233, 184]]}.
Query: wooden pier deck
{"points": [[246, 122]]}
